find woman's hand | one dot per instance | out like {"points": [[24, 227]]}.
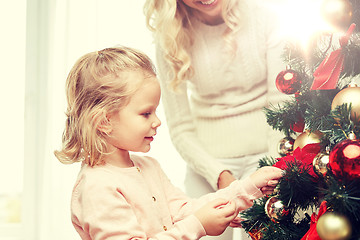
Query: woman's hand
{"points": [[225, 179]]}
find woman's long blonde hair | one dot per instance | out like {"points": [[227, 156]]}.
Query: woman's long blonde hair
{"points": [[169, 20], [97, 85]]}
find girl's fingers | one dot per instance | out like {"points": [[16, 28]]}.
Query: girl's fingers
{"points": [[267, 190], [235, 225], [237, 220], [272, 182], [230, 210], [274, 173]]}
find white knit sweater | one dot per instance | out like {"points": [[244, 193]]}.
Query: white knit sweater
{"points": [[219, 112]]}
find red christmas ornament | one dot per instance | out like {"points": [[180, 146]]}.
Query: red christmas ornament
{"points": [[288, 81], [298, 126], [344, 159]]}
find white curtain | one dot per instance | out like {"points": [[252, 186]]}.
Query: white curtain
{"points": [[59, 32]]}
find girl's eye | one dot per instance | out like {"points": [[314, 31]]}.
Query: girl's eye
{"points": [[147, 114]]}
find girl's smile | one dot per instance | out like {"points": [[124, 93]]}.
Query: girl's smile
{"points": [[150, 138]]}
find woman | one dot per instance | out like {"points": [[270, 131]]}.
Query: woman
{"points": [[217, 63]]}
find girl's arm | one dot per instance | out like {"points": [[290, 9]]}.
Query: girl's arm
{"points": [[102, 213], [240, 192]]}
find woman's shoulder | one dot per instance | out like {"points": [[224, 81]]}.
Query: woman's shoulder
{"points": [[266, 15], [266, 9]]}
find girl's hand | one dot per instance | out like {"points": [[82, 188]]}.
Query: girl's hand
{"points": [[236, 223], [216, 216], [266, 178]]}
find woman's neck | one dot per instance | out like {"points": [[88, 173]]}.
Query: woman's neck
{"points": [[213, 21], [208, 20]]}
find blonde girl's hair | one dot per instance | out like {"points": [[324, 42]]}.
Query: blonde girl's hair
{"points": [[169, 20], [97, 85]]}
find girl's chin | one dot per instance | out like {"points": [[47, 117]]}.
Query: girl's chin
{"points": [[145, 149]]}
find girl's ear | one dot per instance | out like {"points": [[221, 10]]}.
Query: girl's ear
{"points": [[103, 123]]}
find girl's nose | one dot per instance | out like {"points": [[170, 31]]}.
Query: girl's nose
{"points": [[156, 122]]}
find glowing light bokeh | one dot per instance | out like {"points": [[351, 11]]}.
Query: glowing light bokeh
{"points": [[300, 20]]}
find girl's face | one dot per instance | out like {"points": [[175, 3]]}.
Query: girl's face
{"points": [[209, 11], [134, 126]]}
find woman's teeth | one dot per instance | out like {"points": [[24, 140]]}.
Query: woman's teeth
{"points": [[207, 2]]}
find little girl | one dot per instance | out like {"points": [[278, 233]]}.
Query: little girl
{"points": [[112, 98]]}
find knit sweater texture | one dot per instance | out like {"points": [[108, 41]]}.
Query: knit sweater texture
{"points": [[219, 112], [110, 202]]}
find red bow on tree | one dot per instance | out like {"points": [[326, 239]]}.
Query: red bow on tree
{"points": [[327, 74], [312, 233], [303, 156]]}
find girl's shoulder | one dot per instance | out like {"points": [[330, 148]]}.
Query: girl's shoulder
{"points": [[112, 175], [145, 161], [89, 177]]}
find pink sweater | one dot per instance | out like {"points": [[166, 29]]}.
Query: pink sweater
{"points": [[109, 202]]}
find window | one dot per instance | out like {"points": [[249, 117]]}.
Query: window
{"points": [[12, 62], [44, 38]]}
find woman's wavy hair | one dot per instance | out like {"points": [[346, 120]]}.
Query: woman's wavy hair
{"points": [[169, 20], [98, 85]]}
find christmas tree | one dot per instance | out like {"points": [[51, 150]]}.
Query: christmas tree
{"points": [[319, 195]]}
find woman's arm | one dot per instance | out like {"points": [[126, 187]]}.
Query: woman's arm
{"points": [[182, 130], [275, 43]]}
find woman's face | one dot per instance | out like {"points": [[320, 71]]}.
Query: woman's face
{"points": [[209, 11]]}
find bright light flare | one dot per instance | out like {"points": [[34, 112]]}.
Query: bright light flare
{"points": [[300, 20], [333, 6]]}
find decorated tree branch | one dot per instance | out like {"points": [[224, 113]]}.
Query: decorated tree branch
{"points": [[319, 196]]}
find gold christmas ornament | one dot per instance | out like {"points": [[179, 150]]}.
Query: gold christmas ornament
{"points": [[349, 95], [333, 226], [307, 137], [275, 209], [320, 163], [285, 146], [337, 13], [276, 189], [352, 136]]}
